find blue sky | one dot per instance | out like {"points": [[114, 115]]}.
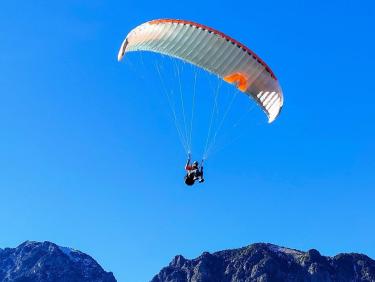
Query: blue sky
{"points": [[89, 157]]}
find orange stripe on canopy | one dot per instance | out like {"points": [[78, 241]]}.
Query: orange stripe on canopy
{"points": [[238, 79]]}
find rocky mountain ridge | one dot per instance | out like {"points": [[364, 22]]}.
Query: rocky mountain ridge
{"points": [[263, 262]]}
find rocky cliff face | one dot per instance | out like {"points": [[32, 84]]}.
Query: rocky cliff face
{"points": [[269, 263], [47, 262]]}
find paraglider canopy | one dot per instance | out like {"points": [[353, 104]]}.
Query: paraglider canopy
{"points": [[213, 51]]}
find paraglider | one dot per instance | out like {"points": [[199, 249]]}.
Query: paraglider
{"points": [[214, 52], [194, 172]]}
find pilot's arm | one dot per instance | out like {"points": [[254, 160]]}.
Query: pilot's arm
{"points": [[187, 165]]}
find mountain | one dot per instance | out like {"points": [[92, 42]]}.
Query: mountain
{"points": [[269, 263], [48, 262]]}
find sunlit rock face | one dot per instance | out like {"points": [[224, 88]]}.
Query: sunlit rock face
{"points": [[269, 263], [47, 262]]}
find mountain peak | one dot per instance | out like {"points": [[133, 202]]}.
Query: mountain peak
{"points": [[46, 261]]}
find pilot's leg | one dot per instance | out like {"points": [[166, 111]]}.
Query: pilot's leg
{"points": [[201, 179]]}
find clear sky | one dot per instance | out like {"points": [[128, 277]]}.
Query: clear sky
{"points": [[90, 159]]}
